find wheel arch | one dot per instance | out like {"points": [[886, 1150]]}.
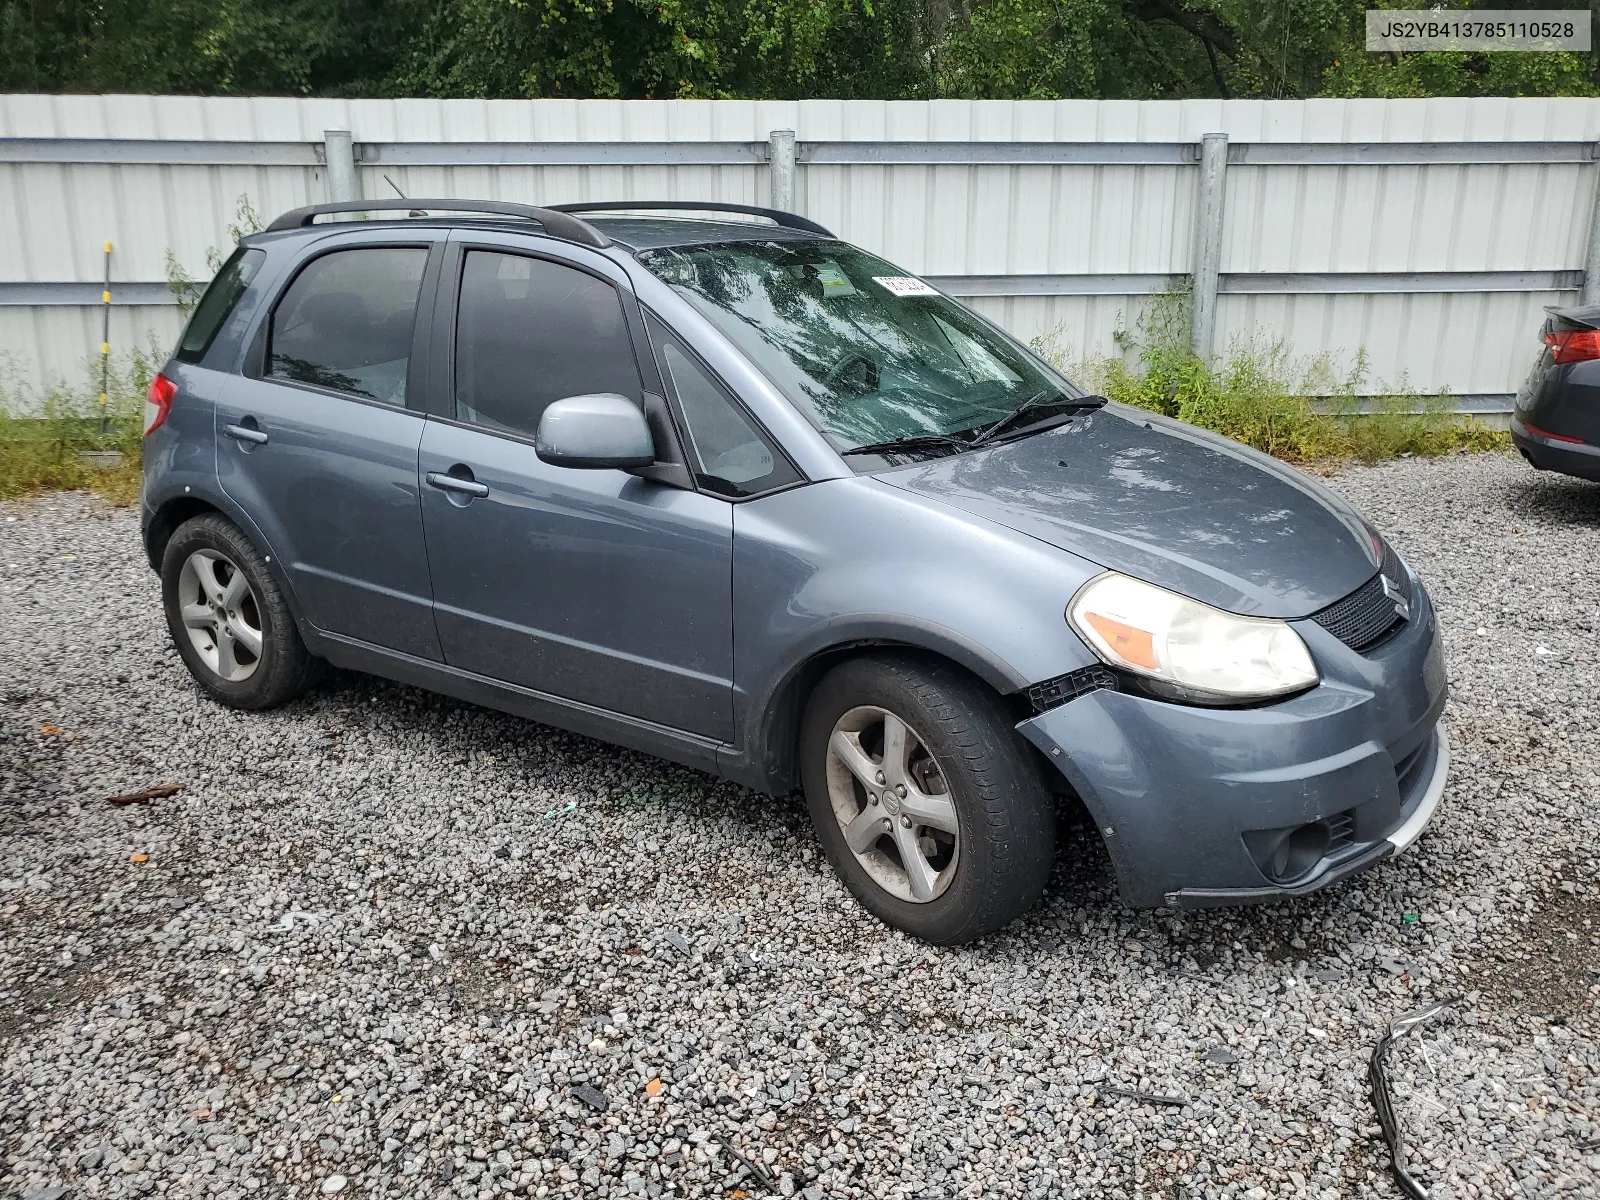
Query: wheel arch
{"points": [[168, 515], [772, 725], [166, 519]]}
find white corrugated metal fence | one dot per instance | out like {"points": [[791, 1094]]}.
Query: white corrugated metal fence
{"points": [[1426, 235]]}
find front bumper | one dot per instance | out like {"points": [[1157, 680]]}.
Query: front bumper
{"points": [[1202, 807]]}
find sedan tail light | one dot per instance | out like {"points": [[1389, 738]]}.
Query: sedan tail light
{"points": [[1573, 345], [158, 403]]}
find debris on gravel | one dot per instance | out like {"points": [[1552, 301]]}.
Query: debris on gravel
{"points": [[385, 944]]}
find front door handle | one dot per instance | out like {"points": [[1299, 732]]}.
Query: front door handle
{"points": [[246, 433], [453, 483]]}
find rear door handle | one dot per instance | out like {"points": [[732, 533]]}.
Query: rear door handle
{"points": [[451, 483], [245, 433]]}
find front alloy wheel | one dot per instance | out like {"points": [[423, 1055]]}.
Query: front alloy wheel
{"points": [[924, 797], [893, 804]]}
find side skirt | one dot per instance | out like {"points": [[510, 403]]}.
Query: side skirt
{"points": [[675, 745]]}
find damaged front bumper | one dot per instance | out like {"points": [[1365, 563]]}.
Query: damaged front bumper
{"points": [[1202, 807]]}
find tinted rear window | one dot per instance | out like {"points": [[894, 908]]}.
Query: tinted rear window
{"points": [[346, 322], [218, 302]]}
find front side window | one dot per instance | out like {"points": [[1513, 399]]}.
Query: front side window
{"points": [[218, 302], [346, 322], [728, 454], [866, 352], [530, 332]]}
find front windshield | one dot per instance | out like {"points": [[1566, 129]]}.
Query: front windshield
{"points": [[868, 353]]}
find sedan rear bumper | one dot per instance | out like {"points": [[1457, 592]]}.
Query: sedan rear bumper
{"points": [[1547, 453], [1203, 806]]}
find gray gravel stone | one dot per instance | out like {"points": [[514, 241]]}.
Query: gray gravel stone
{"points": [[317, 961]]}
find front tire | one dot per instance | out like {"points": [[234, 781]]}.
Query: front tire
{"points": [[924, 799], [229, 620]]}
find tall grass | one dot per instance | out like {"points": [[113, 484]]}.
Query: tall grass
{"points": [[1300, 410], [47, 439]]}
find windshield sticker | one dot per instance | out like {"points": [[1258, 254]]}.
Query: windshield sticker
{"points": [[904, 285], [831, 276]]}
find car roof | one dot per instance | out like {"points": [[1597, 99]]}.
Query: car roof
{"points": [[656, 232]]}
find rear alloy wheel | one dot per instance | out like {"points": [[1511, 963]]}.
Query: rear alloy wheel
{"points": [[221, 614], [924, 797], [229, 619]]}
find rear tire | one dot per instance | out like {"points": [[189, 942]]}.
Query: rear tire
{"points": [[889, 747], [229, 620]]}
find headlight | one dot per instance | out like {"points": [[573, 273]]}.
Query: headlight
{"points": [[1188, 650]]}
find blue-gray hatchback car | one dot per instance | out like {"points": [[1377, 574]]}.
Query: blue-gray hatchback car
{"points": [[717, 486]]}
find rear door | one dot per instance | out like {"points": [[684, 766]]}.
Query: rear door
{"points": [[596, 586], [318, 441]]}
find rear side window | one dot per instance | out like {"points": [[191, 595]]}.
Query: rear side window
{"points": [[346, 322], [218, 302], [530, 332]]}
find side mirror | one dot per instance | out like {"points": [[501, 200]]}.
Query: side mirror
{"points": [[590, 432]]}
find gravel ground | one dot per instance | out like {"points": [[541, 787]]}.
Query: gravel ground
{"points": [[380, 936]]}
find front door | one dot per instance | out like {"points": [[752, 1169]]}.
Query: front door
{"points": [[591, 585], [319, 447]]}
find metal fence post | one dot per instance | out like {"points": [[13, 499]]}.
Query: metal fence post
{"points": [[1590, 293], [780, 164], [340, 153], [1208, 242]]}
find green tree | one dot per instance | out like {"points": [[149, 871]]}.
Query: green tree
{"points": [[884, 49], [215, 47]]}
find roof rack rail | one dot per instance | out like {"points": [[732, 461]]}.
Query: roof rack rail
{"points": [[788, 220], [557, 224]]}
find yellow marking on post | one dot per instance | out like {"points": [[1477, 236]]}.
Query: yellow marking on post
{"points": [[105, 347], [104, 397], [108, 247], [105, 296]]}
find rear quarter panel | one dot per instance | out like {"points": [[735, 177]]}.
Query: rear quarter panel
{"points": [[183, 451]]}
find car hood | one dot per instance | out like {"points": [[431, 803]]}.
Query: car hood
{"points": [[1167, 503]]}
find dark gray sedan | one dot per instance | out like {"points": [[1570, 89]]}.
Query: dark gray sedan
{"points": [[725, 489], [1556, 423]]}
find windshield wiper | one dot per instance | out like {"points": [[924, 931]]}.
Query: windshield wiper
{"points": [[911, 442], [945, 441], [1037, 400]]}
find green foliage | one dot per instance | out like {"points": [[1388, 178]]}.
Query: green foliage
{"points": [[881, 49], [184, 286], [63, 438], [1300, 411], [223, 47]]}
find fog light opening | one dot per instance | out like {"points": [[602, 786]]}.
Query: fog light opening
{"points": [[1297, 853]]}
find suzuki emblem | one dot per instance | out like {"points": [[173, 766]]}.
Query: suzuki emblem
{"points": [[1391, 589]]}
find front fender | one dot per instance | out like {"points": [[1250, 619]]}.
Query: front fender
{"points": [[850, 563]]}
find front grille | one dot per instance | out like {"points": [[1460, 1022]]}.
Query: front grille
{"points": [[1053, 693], [1368, 615]]}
